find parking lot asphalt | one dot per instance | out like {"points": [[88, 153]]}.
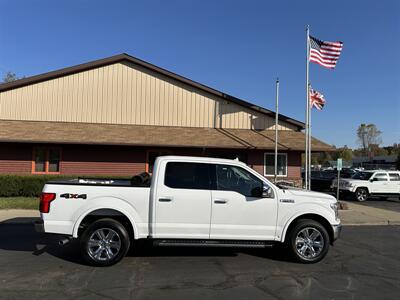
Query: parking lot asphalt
{"points": [[363, 264]]}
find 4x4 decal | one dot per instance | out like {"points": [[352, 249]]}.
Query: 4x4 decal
{"points": [[73, 196]]}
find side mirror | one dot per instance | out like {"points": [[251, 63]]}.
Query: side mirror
{"points": [[267, 192], [373, 179], [264, 192], [256, 192]]}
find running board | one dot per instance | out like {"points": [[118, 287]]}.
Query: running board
{"points": [[213, 243]]}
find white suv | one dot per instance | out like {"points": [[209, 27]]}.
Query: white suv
{"points": [[364, 184]]}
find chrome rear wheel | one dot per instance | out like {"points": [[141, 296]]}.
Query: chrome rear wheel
{"points": [[104, 244]]}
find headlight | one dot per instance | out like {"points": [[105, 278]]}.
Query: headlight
{"points": [[335, 208]]}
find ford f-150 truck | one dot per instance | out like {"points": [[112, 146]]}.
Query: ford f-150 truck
{"points": [[189, 201]]}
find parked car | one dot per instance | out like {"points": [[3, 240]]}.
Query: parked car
{"points": [[346, 173], [321, 181], [189, 201], [367, 184]]}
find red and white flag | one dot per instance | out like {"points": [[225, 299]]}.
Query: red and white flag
{"points": [[317, 100], [323, 53]]}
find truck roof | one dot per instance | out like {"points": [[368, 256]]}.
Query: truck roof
{"points": [[200, 159]]}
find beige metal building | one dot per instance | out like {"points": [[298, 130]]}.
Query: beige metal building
{"points": [[114, 116]]}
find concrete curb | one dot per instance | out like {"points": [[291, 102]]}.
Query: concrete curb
{"points": [[387, 223]]}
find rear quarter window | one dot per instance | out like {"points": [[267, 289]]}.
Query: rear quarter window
{"points": [[394, 177]]}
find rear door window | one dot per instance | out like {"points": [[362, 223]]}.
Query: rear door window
{"points": [[187, 175], [381, 177]]}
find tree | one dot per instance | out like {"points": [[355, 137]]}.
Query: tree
{"points": [[378, 151], [368, 135], [9, 77], [345, 153]]}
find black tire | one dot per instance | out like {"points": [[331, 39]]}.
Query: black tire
{"points": [[104, 243], [361, 194], [320, 245]]}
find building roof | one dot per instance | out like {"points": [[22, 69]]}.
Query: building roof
{"points": [[162, 136], [127, 58]]}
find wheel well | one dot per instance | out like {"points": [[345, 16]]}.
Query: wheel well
{"points": [[363, 187], [106, 213], [324, 222]]}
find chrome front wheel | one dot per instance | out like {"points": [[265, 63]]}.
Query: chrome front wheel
{"points": [[309, 243], [361, 194]]}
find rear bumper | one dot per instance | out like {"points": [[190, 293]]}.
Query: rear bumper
{"points": [[337, 229], [39, 226]]}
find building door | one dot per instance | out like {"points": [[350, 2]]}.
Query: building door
{"points": [[236, 212], [183, 201]]}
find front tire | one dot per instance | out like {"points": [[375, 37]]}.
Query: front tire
{"points": [[361, 194], [104, 243], [308, 241]]}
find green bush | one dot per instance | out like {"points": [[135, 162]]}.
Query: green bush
{"points": [[31, 185]]}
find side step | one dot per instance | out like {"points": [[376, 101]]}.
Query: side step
{"points": [[213, 243]]}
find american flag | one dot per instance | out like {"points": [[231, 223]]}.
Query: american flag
{"points": [[323, 53], [316, 99]]}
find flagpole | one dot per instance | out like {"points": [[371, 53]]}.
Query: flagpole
{"points": [[276, 128], [307, 105], [309, 140]]}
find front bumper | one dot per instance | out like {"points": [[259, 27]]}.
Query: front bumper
{"points": [[39, 226], [337, 229]]}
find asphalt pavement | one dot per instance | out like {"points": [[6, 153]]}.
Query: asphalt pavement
{"points": [[363, 264]]}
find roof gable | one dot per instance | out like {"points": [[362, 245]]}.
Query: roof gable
{"points": [[130, 59]]}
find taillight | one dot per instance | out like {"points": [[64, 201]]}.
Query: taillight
{"points": [[45, 199]]}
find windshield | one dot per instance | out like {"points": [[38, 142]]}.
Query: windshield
{"points": [[362, 175]]}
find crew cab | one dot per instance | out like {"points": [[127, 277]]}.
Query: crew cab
{"points": [[365, 184], [189, 201]]}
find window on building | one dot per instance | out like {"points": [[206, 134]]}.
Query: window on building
{"points": [[46, 160], [269, 164], [232, 178], [180, 175]]}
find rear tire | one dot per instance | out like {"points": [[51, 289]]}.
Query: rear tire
{"points": [[308, 241], [361, 194], [104, 243]]}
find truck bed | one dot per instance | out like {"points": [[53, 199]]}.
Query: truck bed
{"points": [[141, 180]]}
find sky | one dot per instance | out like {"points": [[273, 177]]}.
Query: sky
{"points": [[238, 47]]}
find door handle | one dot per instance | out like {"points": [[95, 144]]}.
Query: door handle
{"points": [[220, 201], [164, 199]]}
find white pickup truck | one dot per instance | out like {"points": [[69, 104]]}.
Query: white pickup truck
{"points": [[189, 201], [365, 184]]}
